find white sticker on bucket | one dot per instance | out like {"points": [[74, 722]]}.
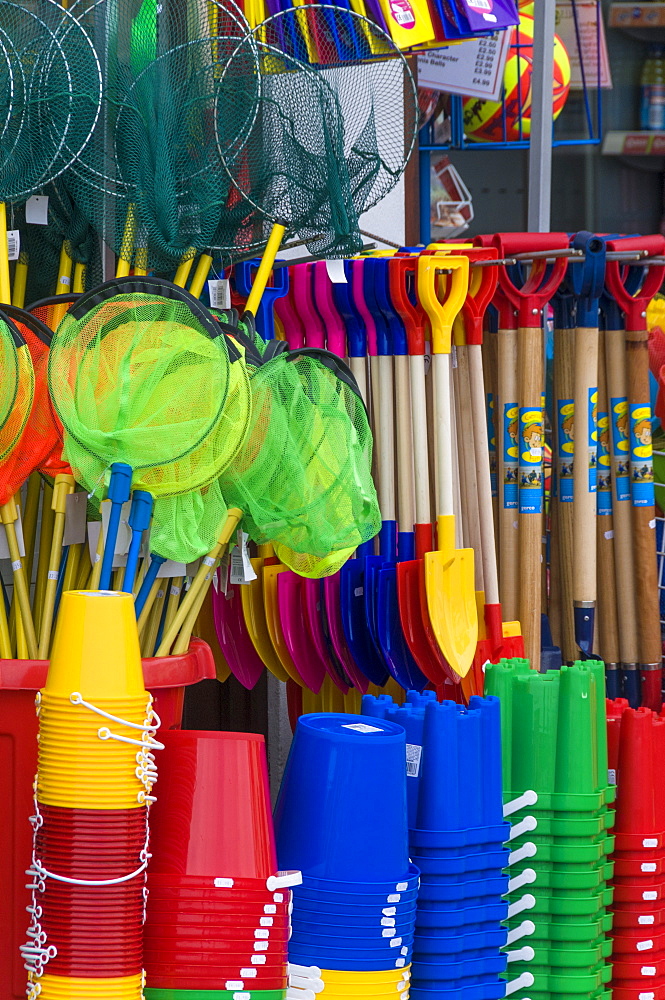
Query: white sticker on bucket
{"points": [[646, 919], [650, 842], [644, 945], [649, 895], [648, 970], [362, 727], [413, 755]]}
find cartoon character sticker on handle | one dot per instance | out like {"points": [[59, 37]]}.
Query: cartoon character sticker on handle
{"points": [[566, 449], [531, 461], [592, 444], [603, 478], [491, 437], [510, 455], [641, 457], [620, 447]]}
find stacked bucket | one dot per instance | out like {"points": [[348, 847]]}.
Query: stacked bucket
{"points": [[341, 819], [92, 793], [457, 839], [217, 916], [554, 743], [637, 752]]}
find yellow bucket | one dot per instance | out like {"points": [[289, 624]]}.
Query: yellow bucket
{"points": [[96, 647]]}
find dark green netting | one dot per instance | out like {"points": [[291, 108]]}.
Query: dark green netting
{"points": [[152, 177], [336, 124], [50, 94]]}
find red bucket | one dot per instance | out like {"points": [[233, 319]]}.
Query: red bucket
{"points": [[166, 678], [212, 817]]}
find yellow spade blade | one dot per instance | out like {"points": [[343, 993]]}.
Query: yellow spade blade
{"points": [[451, 598], [253, 612]]}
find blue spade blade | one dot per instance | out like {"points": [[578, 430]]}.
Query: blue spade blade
{"points": [[354, 620]]}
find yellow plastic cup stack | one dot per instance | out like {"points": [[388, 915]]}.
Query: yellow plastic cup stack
{"points": [[68, 988], [96, 770], [363, 985], [94, 708]]}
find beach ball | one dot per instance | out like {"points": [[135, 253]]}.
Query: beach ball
{"points": [[484, 120]]}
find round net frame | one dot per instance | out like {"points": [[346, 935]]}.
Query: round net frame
{"points": [[303, 479], [152, 171], [40, 435], [138, 373], [23, 388], [337, 123], [51, 94]]}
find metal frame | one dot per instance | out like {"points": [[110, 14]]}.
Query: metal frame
{"points": [[541, 141]]}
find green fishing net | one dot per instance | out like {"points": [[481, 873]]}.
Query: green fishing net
{"points": [[50, 94], [140, 373], [336, 123], [303, 478], [18, 385], [41, 245], [152, 178], [9, 363]]}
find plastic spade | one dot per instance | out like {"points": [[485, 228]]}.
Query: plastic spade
{"points": [[449, 572], [412, 603], [640, 463]]}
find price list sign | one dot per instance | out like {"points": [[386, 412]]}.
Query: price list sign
{"points": [[473, 68]]}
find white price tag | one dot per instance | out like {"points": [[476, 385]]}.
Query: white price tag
{"points": [[413, 755], [219, 290], [4, 547], [335, 269], [169, 569], [13, 244], [75, 511], [36, 210], [242, 570]]}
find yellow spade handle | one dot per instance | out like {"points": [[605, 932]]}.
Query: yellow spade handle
{"points": [[442, 313], [30, 520], [96, 574], [9, 514], [151, 630], [78, 284], [147, 607], [265, 267], [202, 579], [63, 286], [5, 285], [64, 484], [20, 281], [182, 274], [5, 641], [45, 535], [200, 275], [185, 634], [175, 587], [124, 263]]}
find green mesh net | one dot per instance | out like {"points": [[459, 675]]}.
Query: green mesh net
{"points": [[40, 434], [139, 377], [140, 373], [50, 94], [152, 178], [303, 479], [21, 390], [9, 368], [41, 245], [336, 123]]}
